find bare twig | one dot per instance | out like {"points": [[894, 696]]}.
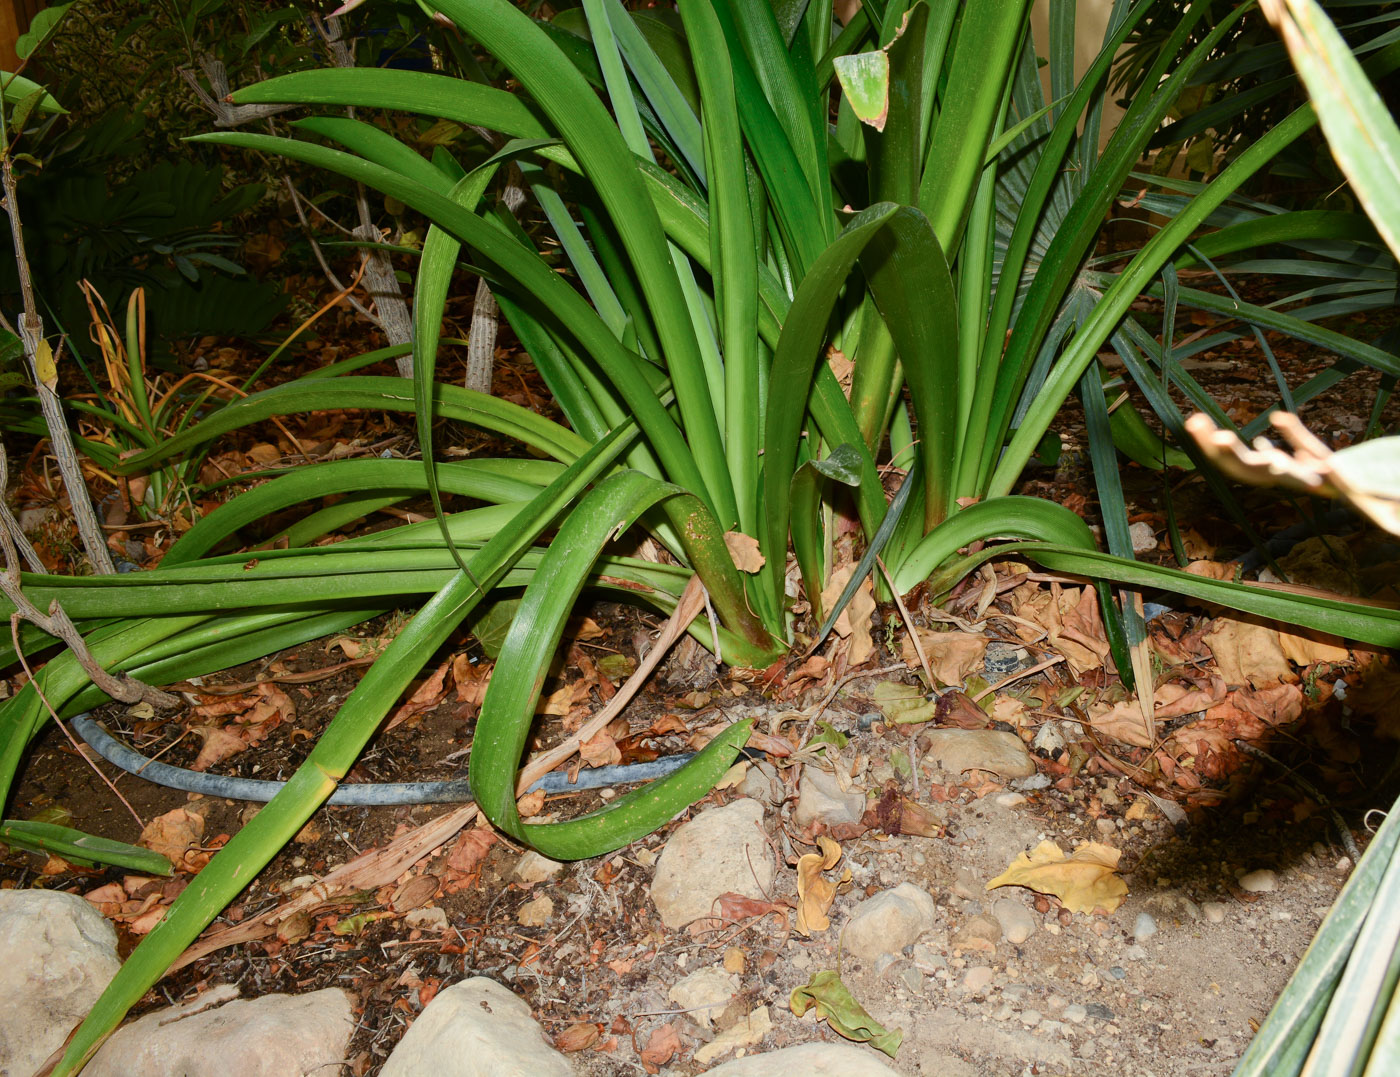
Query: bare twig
{"points": [[39, 356], [225, 114], [57, 623], [391, 312], [481, 340]]}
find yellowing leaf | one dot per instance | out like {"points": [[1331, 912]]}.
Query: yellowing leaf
{"points": [[1083, 881], [44, 365], [814, 892], [837, 1006]]}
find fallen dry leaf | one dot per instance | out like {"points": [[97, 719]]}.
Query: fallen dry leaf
{"points": [[854, 623], [662, 1045], [815, 892], [951, 655], [219, 744], [173, 835], [1248, 652], [578, 1037], [744, 549], [1083, 881], [600, 750]]}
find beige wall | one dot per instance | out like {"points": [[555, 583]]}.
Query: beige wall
{"points": [[1091, 16]]}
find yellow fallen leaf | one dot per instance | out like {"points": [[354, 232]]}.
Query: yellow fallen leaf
{"points": [[1084, 880], [814, 892]]}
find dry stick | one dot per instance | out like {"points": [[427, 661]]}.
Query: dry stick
{"points": [[900, 667], [908, 622], [1348, 842], [391, 312], [687, 609], [41, 366], [57, 623], [1017, 676], [481, 340], [368, 871]]}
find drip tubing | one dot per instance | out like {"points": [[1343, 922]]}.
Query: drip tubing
{"points": [[357, 794]]}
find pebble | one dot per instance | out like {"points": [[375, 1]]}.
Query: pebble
{"points": [[809, 1060], [1099, 1012], [1262, 881], [1143, 538], [1031, 1018], [721, 850], [761, 783], [57, 953], [820, 798], [535, 913], [1135, 953], [271, 1035], [1118, 972], [1017, 922], [534, 868], [1049, 739], [1075, 1014], [976, 980], [1144, 927], [980, 933], [888, 922], [912, 979], [965, 885], [1215, 912], [959, 750], [705, 993], [1031, 784]]}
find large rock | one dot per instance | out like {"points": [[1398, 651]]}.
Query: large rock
{"points": [[820, 798], [960, 750], [888, 922], [271, 1036], [721, 850], [475, 1028], [57, 953], [810, 1060]]}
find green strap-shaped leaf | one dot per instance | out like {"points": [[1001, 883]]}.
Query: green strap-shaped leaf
{"points": [[508, 710]]}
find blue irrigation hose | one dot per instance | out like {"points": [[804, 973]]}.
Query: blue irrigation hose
{"points": [[354, 795]]}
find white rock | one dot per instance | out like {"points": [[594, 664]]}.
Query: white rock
{"points": [[809, 1060], [888, 922], [959, 750], [1050, 738], [271, 1036], [1075, 1014], [820, 798], [1144, 927], [719, 851], [977, 980], [475, 1028], [745, 1032], [1215, 912], [534, 868], [1262, 881], [705, 993], [1017, 922], [1144, 539], [761, 783], [57, 953]]}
